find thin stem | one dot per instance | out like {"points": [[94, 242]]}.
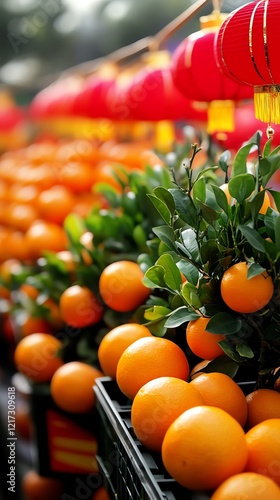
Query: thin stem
{"points": [[176, 24]]}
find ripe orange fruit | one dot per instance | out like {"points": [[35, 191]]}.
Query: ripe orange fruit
{"points": [[224, 188], [55, 203], [115, 342], [263, 443], [218, 389], [249, 485], [121, 286], [36, 356], [266, 204], [262, 404], [203, 447], [30, 324], [230, 200], [243, 295], [77, 176], [43, 235], [35, 486], [79, 307], [150, 358], [157, 404], [202, 343], [21, 216], [72, 387]]}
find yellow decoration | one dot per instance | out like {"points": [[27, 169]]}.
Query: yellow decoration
{"points": [[267, 103], [220, 116]]}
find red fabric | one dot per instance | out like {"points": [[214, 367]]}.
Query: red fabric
{"points": [[151, 95], [196, 73], [232, 47], [91, 101]]}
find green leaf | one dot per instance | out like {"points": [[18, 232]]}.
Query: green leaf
{"points": [[166, 235], [154, 277], [209, 252], [230, 351], [241, 186], [185, 207], [276, 197], [199, 190], [268, 166], [74, 227], [253, 238], [180, 316], [221, 198], [191, 295], [188, 270], [158, 328], [255, 204], [190, 243], [208, 213], [224, 160], [224, 323], [222, 364], [162, 209], [277, 232], [172, 276], [254, 269], [165, 196], [244, 350], [156, 312], [240, 161], [267, 148]]}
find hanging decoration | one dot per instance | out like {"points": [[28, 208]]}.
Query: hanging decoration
{"points": [[247, 51], [196, 73]]}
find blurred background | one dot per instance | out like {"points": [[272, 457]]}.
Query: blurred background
{"points": [[41, 38]]}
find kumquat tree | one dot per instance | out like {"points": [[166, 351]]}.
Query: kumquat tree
{"points": [[221, 258]]}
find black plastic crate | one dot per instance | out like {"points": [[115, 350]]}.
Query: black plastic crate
{"points": [[130, 471]]}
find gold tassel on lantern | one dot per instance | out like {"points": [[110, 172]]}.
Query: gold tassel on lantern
{"points": [[267, 103], [220, 116]]}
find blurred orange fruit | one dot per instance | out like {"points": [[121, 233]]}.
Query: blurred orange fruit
{"points": [[262, 404]]}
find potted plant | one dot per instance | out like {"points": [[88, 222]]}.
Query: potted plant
{"points": [[212, 228]]}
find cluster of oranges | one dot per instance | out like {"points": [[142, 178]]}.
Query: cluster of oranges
{"points": [[211, 436], [45, 181]]}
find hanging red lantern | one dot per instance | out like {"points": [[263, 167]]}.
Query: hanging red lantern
{"points": [[90, 102], [151, 95], [247, 51], [55, 100], [196, 74]]}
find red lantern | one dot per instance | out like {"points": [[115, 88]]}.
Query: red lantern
{"points": [[247, 50], [196, 73], [90, 102], [55, 100], [150, 95]]}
